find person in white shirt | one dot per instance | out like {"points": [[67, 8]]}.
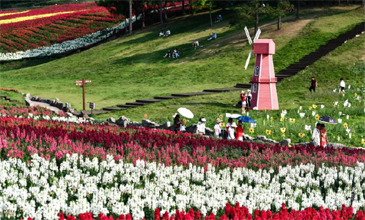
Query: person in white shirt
{"points": [[196, 44], [248, 98], [217, 128], [231, 130], [182, 126], [316, 135], [342, 85], [161, 34], [200, 127], [168, 33]]}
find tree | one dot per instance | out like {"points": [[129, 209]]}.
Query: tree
{"points": [[249, 12], [202, 3], [121, 7], [279, 11], [298, 6], [161, 19]]}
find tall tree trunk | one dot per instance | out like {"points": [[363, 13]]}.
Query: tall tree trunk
{"points": [[339, 2], [183, 7], [165, 11], [363, 3], [143, 14], [210, 15], [279, 22], [256, 18], [130, 17], [190, 7], [298, 4], [161, 19]]}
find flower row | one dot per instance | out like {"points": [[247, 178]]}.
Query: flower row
{"points": [[41, 189], [23, 137], [236, 212]]}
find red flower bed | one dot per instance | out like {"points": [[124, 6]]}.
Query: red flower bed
{"points": [[23, 137], [238, 212], [85, 18]]}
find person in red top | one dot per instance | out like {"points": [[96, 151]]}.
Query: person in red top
{"points": [[239, 132], [313, 85], [323, 136], [243, 99]]}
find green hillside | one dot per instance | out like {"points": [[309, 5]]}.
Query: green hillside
{"points": [[133, 67]]}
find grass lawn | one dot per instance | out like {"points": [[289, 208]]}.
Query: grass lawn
{"points": [[347, 61], [131, 68]]}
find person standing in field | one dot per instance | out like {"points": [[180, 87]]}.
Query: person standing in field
{"points": [[243, 99], [239, 132], [342, 85], [200, 127], [316, 135], [217, 128], [313, 85]]}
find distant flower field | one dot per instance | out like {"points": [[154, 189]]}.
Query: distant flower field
{"points": [[30, 29]]}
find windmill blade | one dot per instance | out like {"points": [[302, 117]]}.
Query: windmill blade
{"points": [[248, 59], [257, 35], [248, 35]]}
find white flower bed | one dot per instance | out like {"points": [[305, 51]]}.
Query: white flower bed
{"points": [[78, 185], [71, 119]]}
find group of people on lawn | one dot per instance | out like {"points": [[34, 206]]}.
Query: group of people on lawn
{"points": [[233, 131], [195, 43]]}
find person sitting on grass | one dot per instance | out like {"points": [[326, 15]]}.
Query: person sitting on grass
{"points": [[196, 44], [168, 54], [217, 19], [213, 37], [168, 32], [161, 34], [175, 54]]}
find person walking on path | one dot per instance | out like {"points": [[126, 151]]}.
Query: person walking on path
{"points": [[217, 128], [316, 136], [200, 127], [342, 85], [313, 85], [243, 99]]}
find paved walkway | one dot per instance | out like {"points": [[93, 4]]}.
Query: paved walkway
{"points": [[44, 105]]}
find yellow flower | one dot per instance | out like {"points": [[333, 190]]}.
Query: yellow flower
{"points": [[221, 116], [310, 107], [314, 106], [282, 118], [251, 130], [271, 118], [283, 134], [145, 115], [292, 120], [282, 130], [345, 125], [363, 141], [268, 132], [184, 120], [223, 125], [317, 117], [302, 135], [355, 94]]}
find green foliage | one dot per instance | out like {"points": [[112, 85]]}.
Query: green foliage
{"points": [[279, 10]]}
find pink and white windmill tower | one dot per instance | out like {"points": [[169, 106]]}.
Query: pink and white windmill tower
{"points": [[263, 81]]}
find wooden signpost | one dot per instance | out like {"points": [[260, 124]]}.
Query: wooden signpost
{"points": [[82, 84]]}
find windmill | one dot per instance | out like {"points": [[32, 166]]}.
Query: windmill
{"points": [[250, 42]]}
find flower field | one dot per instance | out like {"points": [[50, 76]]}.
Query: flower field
{"points": [[21, 31], [54, 169]]}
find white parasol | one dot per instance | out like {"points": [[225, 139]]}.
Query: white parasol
{"points": [[229, 115], [185, 112]]}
